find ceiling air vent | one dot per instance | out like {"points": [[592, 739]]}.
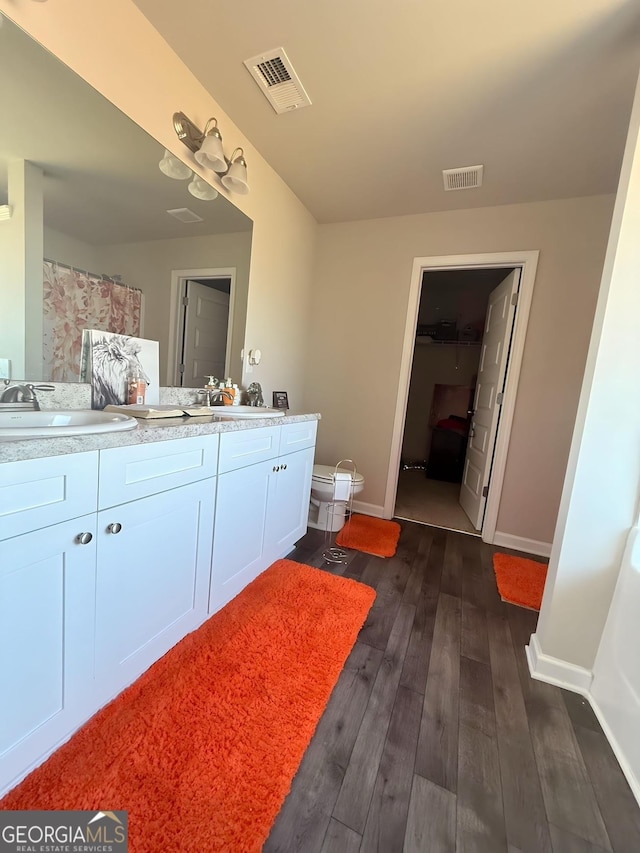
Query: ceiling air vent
{"points": [[184, 214], [279, 83], [462, 179]]}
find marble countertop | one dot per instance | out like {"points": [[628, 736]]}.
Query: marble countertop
{"points": [[147, 430]]}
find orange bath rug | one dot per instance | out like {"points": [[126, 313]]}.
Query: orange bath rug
{"points": [[201, 750], [520, 581], [371, 535]]}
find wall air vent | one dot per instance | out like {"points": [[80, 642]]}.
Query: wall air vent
{"points": [[465, 178], [184, 214], [278, 82]]}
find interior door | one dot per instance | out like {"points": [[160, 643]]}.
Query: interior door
{"points": [[492, 371], [206, 322]]}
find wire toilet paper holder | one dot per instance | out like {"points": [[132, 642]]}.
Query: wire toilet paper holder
{"points": [[343, 484]]}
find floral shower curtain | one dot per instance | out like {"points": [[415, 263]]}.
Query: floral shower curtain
{"points": [[74, 300]]}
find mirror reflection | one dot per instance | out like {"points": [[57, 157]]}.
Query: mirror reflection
{"points": [[94, 235]]}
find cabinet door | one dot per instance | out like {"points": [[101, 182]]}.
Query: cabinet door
{"points": [[152, 581], [241, 514], [289, 503], [47, 592]]}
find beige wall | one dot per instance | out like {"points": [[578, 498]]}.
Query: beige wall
{"points": [[142, 76], [149, 266], [360, 303]]}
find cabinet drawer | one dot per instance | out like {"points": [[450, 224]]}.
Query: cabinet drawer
{"points": [[297, 436], [37, 493], [129, 473], [246, 447]]}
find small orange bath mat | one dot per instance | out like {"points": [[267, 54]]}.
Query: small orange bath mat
{"points": [[371, 535], [520, 581], [201, 750]]}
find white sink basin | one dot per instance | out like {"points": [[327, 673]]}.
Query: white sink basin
{"points": [[247, 412], [15, 425]]}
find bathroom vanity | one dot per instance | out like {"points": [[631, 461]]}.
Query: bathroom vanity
{"points": [[114, 547]]}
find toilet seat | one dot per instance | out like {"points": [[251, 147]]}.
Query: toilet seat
{"points": [[324, 474]]}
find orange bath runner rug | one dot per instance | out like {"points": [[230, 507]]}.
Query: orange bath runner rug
{"points": [[371, 535], [201, 750], [520, 581]]}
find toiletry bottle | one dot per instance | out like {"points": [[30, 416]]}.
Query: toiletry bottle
{"points": [[230, 393], [237, 393], [136, 386]]}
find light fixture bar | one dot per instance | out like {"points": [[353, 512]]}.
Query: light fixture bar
{"points": [[5, 211], [187, 131]]}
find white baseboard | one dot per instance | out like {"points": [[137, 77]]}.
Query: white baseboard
{"points": [[519, 543], [369, 509], [578, 679], [632, 779], [556, 671]]}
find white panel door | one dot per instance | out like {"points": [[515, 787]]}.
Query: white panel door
{"points": [[492, 371], [289, 502], [152, 580], [205, 334], [47, 593]]}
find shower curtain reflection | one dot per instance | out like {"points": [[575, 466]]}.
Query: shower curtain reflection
{"points": [[74, 300]]}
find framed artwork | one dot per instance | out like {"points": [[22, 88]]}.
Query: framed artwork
{"points": [[280, 400], [106, 361]]}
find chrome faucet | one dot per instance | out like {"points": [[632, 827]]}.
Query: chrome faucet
{"points": [[213, 396], [20, 397]]}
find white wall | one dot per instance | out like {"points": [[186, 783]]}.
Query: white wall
{"points": [[142, 76], [21, 241], [75, 253], [600, 497], [360, 302]]}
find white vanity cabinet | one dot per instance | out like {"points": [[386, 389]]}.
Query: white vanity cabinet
{"points": [[262, 503], [153, 555], [109, 558], [290, 487], [47, 599]]}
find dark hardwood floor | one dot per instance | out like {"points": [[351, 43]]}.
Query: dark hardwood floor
{"points": [[435, 737]]}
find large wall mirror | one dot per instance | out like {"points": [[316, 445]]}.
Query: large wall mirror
{"points": [[86, 239]]}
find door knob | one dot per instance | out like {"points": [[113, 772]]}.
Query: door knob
{"points": [[115, 527], [84, 538]]}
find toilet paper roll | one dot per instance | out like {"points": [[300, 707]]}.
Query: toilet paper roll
{"points": [[341, 486]]}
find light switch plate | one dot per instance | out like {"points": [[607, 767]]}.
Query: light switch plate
{"points": [[5, 368]]}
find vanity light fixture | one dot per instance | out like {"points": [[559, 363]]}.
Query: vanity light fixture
{"points": [[173, 167], [208, 151], [5, 211], [199, 188]]}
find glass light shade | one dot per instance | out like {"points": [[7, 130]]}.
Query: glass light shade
{"points": [[236, 178], [211, 155], [202, 190], [173, 167]]}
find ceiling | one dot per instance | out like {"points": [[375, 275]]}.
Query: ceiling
{"points": [[539, 93], [102, 184]]}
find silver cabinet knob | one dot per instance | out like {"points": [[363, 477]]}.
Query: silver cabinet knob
{"points": [[116, 527], [84, 538], [276, 468]]}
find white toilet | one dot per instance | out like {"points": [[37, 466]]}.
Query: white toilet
{"points": [[322, 514]]}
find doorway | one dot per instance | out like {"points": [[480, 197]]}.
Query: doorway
{"points": [[447, 431], [203, 322], [450, 442]]}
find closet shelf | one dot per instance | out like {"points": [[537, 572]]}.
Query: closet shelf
{"points": [[425, 339]]}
